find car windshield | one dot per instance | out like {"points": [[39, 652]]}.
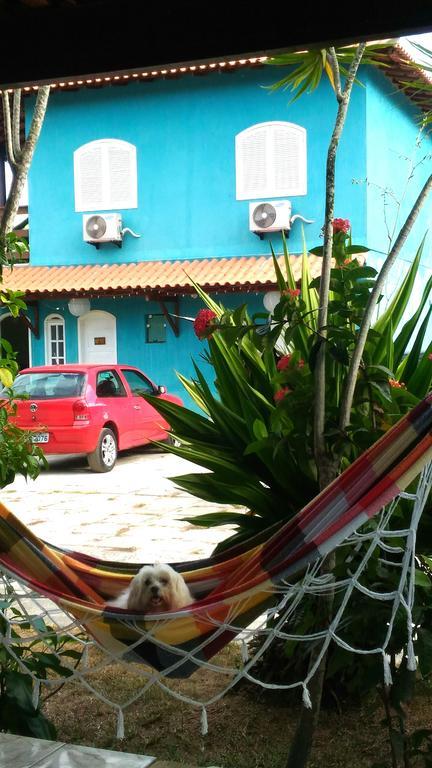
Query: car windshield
{"points": [[43, 386]]}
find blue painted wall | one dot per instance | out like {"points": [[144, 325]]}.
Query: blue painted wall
{"points": [[159, 361], [398, 164], [184, 131]]}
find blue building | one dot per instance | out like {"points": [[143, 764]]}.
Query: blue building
{"points": [[145, 181]]}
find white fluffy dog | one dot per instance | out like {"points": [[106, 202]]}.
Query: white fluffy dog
{"points": [[155, 589]]}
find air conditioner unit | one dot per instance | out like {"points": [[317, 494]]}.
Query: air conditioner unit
{"points": [[102, 228], [274, 216]]}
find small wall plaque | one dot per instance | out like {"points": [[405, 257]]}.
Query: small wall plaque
{"points": [[99, 341]]}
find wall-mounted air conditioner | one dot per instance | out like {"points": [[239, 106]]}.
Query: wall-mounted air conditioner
{"points": [[102, 228], [274, 216]]}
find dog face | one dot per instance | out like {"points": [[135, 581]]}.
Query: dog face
{"points": [[156, 589]]}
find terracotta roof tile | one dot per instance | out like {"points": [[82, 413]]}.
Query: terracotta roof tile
{"points": [[152, 277]]}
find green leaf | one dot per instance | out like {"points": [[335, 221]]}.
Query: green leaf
{"points": [[382, 353], [421, 380], [6, 377], [247, 522], [414, 356], [19, 688], [350, 249], [214, 488], [398, 304], [256, 446], [260, 429], [423, 649], [281, 283], [407, 331], [378, 372], [422, 579], [309, 294]]}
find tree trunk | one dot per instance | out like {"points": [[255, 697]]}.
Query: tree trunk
{"points": [[327, 468], [20, 159], [343, 98]]}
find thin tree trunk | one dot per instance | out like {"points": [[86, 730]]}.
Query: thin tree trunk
{"points": [[327, 468], [20, 159], [348, 394]]}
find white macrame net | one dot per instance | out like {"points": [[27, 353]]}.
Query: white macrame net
{"points": [[395, 548]]}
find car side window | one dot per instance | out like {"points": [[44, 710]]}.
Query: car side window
{"points": [[138, 383], [108, 384]]}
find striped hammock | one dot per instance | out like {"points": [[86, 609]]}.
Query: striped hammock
{"points": [[231, 589]]}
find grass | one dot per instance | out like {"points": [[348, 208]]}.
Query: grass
{"points": [[247, 728]]}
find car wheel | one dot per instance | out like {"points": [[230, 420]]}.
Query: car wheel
{"points": [[172, 441], [103, 458]]}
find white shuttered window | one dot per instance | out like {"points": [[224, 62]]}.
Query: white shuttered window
{"points": [[271, 161], [105, 175]]}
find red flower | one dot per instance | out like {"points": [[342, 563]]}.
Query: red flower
{"points": [[280, 394], [283, 363], [341, 225], [397, 384], [293, 293], [203, 322]]}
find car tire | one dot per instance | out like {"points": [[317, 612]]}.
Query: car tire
{"points": [[104, 456], [172, 441]]}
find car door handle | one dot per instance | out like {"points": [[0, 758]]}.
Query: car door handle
{"points": [[137, 407]]}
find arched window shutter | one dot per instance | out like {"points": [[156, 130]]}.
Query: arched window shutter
{"points": [[105, 175], [271, 161]]}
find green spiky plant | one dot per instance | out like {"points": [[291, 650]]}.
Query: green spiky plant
{"points": [[254, 436], [343, 393], [256, 444]]}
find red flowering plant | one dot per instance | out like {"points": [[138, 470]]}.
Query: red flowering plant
{"points": [[204, 323], [253, 431], [343, 247]]}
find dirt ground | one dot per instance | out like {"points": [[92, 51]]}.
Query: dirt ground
{"points": [[247, 728]]}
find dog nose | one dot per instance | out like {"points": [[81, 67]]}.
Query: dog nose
{"points": [[154, 590]]}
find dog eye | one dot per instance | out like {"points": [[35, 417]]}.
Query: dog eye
{"points": [[164, 581], [147, 582]]}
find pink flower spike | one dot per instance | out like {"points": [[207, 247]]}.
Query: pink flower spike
{"points": [[300, 364], [283, 363], [281, 393], [203, 322], [430, 356]]}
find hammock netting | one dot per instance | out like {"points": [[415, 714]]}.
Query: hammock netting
{"points": [[250, 591]]}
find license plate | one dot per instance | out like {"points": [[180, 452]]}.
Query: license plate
{"points": [[40, 437]]}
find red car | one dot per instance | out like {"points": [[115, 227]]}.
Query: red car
{"points": [[97, 410]]}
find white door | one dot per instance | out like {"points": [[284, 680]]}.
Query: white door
{"points": [[97, 337]]}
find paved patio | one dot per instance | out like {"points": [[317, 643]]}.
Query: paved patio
{"points": [[133, 513]]}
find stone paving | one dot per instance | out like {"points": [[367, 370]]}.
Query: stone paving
{"points": [[132, 513]]}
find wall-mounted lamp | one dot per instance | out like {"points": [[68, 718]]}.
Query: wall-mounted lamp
{"points": [[270, 300], [78, 307]]}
